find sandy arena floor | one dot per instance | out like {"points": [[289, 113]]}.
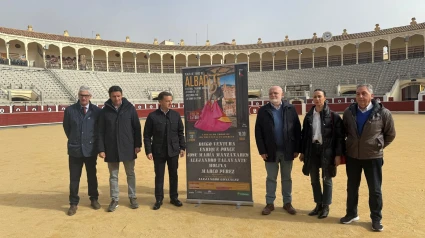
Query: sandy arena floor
{"points": [[34, 195]]}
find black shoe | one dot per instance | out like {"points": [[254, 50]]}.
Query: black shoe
{"points": [[348, 219], [316, 210], [176, 202], [113, 206], [95, 204], [377, 226], [325, 212], [157, 205]]}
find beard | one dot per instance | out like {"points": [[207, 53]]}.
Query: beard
{"points": [[275, 101]]}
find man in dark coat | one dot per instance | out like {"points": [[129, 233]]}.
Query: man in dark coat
{"points": [[278, 134], [321, 147], [369, 128], [80, 124], [120, 139], [163, 137]]}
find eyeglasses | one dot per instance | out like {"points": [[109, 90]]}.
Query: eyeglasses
{"points": [[84, 96]]}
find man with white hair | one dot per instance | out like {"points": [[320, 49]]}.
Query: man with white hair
{"points": [[278, 137], [80, 123]]}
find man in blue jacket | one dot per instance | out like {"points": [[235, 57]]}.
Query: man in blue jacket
{"points": [[278, 135], [80, 124]]}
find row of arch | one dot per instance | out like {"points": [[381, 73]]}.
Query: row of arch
{"points": [[159, 62]]}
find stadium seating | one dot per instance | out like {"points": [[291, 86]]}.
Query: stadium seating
{"points": [[38, 80], [56, 84]]}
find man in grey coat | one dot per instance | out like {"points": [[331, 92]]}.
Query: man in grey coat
{"points": [[80, 123]]}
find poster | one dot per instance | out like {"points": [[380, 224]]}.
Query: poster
{"points": [[218, 155]]}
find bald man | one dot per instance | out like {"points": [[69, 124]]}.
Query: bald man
{"points": [[278, 134]]}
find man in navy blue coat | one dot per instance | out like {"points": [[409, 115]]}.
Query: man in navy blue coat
{"points": [[80, 124]]}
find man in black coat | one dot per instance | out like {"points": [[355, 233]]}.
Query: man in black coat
{"points": [[163, 137], [79, 123], [120, 139], [278, 133]]}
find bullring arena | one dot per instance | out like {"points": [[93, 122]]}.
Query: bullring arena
{"points": [[40, 74]]}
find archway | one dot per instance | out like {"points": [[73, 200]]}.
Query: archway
{"points": [[17, 53], [398, 49], [192, 60], [114, 61], [267, 61], [416, 46], [254, 62], [229, 59], [128, 62], [279, 60], [168, 63], [180, 62], [334, 56], [155, 62], [293, 59], [142, 62], [306, 58], [379, 50], [205, 59], [84, 59], [99, 57], [217, 59], [320, 57], [35, 55], [69, 58], [349, 53], [365, 53]]}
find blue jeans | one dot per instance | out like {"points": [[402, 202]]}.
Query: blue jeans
{"points": [[324, 198], [272, 169]]}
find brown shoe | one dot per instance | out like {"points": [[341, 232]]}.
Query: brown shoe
{"points": [[289, 208], [268, 209], [72, 210]]}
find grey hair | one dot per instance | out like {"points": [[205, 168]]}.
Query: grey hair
{"points": [[368, 86], [85, 88]]}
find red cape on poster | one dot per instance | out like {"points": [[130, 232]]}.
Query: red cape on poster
{"points": [[212, 118]]}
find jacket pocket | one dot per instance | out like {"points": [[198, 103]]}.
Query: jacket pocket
{"points": [[173, 126], [175, 144], [380, 143]]}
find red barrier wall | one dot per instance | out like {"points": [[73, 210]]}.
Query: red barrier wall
{"points": [[38, 117], [4, 109], [12, 119], [28, 118], [339, 100], [299, 109], [422, 106]]}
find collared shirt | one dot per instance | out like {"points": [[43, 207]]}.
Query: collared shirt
{"points": [[277, 108], [369, 107], [317, 127], [87, 107], [117, 107], [165, 113]]}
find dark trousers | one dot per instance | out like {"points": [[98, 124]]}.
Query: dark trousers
{"points": [[159, 164], [373, 173], [324, 198], [75, 169]]}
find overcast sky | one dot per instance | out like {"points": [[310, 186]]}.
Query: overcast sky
{"points": [[245, 21]]}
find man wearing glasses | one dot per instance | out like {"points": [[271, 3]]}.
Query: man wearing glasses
{"points": [[80, 124]]}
